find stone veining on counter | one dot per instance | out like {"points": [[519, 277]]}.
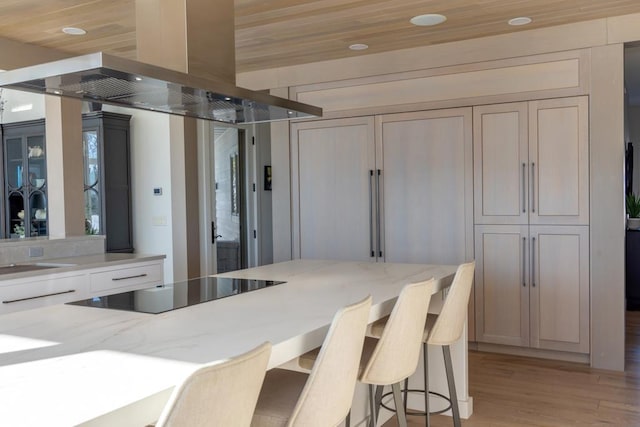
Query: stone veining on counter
{"points": [[93, 363]]}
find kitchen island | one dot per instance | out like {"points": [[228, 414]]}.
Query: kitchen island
{"points": [[68, 365]]}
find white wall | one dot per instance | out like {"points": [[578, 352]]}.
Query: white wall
{"points": [[14, 98], [150, 168]]}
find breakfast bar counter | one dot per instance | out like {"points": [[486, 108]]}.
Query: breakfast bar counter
{"points": [[67, 365]]}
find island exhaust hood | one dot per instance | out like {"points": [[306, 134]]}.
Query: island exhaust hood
{"points": [[112, 80]]}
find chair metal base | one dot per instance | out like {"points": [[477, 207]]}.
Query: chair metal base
{"points": [[452, 399], [414, 413]]}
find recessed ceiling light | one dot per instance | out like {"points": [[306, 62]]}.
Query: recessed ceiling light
{"points": [[428, 19], [57, 92], [358, 46], [522, 20], [74, 31], [138, 79], [227, 98]]}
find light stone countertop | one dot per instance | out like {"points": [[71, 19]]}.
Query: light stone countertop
{"points": [[78, 263], [67, 365]]}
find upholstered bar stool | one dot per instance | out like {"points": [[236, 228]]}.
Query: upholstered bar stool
{"points": [[322, 398], [219, 393], [394, 356], [443, 329]]}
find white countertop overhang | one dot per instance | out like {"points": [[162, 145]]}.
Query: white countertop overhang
{"points": [[66, 365]]}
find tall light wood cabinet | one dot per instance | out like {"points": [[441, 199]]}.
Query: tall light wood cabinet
{"points": [[531, 210], [333, 189], [426, 186], [532, 286], [397, 191]]}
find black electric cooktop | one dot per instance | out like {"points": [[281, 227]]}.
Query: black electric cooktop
{"points": [[162, 298]]}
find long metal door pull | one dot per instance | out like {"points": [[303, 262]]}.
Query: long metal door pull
{"points": [[524, 192], [371, 249], [39, 296], [379, 239], [130, 277], [524, 260], [533, 262], [533, 187]]}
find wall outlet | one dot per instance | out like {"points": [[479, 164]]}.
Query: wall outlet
{"points": [[36, 252]]}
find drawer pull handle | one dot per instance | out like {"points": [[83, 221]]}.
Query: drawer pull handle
{"points": [[130, 277], [39, 296]]}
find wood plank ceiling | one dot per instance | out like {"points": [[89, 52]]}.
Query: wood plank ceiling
{"points": [[287, 32]]}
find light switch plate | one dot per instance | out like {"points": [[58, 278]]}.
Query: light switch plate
{"points": [[160, 220]]}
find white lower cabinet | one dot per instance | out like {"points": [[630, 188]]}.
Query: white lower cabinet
{"points": [[59, 288], [124, 278], [532, 286], [25, 294]]}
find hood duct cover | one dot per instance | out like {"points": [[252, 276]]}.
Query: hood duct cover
{"points": [[111, 80]]}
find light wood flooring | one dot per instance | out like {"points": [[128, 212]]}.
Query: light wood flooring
{"points": [[520, 391]]}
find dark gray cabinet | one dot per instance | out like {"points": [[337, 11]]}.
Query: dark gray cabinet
{"points": [[107, 178], [25, 180]]}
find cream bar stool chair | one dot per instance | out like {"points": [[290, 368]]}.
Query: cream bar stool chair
{"points": [[443, 329], [219, 393], [394, 357], [322, 398]]}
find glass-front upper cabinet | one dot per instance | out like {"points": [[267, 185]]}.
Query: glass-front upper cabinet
{"points": [[92, 191], [25, 180], [107, 178]]}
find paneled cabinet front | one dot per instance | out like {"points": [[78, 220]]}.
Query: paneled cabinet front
{"points": [[396, 188], [531, 162], [25, 180], [532, 286], [333, 186], [531, 210]]}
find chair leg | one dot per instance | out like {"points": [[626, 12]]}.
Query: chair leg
{"points": [[406, 393], [446, 351], [397, 399], [372, 406], [378, 400], [425, 366]]}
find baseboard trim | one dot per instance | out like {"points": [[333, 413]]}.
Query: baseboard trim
{"points": [[531, 352]]}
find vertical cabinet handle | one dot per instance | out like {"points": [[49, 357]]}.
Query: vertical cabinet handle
{"points": [[533, 262], [524, 260], [524, 191], [533, 187], [371, 250], [378, 212]]}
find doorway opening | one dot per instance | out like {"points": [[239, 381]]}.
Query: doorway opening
{"points": [[228, 228]]}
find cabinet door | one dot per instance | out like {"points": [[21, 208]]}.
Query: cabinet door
{"points": [[332, 189], [560, 288], [502, 284], [427, 186], [500, 157], [559, 161]]}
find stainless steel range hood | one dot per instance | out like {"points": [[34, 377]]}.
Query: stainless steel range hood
{"points": [[108, 79]]}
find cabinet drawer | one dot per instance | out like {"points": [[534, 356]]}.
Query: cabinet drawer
{"points": [[121, 278], [30, 295]]}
